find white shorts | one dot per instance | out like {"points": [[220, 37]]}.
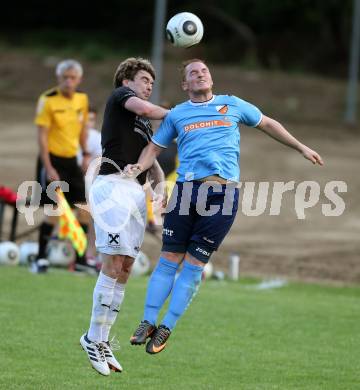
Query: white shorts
{"points": [[118, 208]]}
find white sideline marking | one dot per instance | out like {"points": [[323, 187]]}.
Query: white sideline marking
{"points": [[272, 283]]}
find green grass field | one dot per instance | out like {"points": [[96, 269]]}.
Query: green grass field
{"points": [[232, 337]]}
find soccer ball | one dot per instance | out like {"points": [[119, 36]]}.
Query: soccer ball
{"points": [[9, 253], [184, 30], [28, 252], [141, 265], [60, 253]]}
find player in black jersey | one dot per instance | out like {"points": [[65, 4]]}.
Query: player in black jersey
{"points": [[118, 202]]}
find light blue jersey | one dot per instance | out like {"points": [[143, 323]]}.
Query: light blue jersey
{"points": [[208, 136]]}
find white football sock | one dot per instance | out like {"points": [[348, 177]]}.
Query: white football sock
{"points": [[102, 298], [118, 297]]}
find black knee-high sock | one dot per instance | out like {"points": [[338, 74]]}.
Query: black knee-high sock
{"points": [[82, 259], [44, 235]]}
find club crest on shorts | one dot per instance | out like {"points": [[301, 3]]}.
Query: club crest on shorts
{"points": [[113, 239]]}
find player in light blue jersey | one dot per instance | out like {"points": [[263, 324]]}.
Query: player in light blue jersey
{"points": [[208, 136], [203, 207]]}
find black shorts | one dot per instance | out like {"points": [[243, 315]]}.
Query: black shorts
{"points": [[70, 172], [198, 217]]}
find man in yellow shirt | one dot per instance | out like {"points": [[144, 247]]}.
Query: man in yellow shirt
{"points": [[61, 121]]}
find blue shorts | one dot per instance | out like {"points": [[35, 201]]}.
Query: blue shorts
{"points": [[198, 217]]}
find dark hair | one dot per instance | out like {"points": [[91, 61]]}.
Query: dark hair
{"points": [[127, 70], [93, 109], [188, 62]]}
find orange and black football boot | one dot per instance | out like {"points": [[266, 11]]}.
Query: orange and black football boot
{"points": [[143, 331], [158, 340]]}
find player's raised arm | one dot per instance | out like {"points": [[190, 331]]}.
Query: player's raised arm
{"points": [[158, 183], [144, 108], [277, 131], [146, 160]]}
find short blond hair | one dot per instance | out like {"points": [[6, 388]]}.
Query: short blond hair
{"points": [[127, 70], [188, 62]]}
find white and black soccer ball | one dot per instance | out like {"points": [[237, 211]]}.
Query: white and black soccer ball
{"points": [[9, 253], [60, 253], [28, 252], [141, 265], [184, 30]]}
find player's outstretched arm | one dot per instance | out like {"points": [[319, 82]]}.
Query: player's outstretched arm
{"points": [[156, 174], [158, 183], [144, 108], [277, 131], [146, 160]]}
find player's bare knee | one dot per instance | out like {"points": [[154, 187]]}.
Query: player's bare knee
{"points": [[193, 260], [124, 276], [118, 262], [127, 265], [173, 256], [112, 265], [126, 269]]}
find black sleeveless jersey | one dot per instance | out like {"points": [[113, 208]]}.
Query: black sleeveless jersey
{"points": [[124, 134]]}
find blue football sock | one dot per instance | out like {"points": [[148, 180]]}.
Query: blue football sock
{"points": [[184, 290], [159, 288]]}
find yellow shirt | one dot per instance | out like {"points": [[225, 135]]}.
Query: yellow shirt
{"points": [[64, 118]]}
